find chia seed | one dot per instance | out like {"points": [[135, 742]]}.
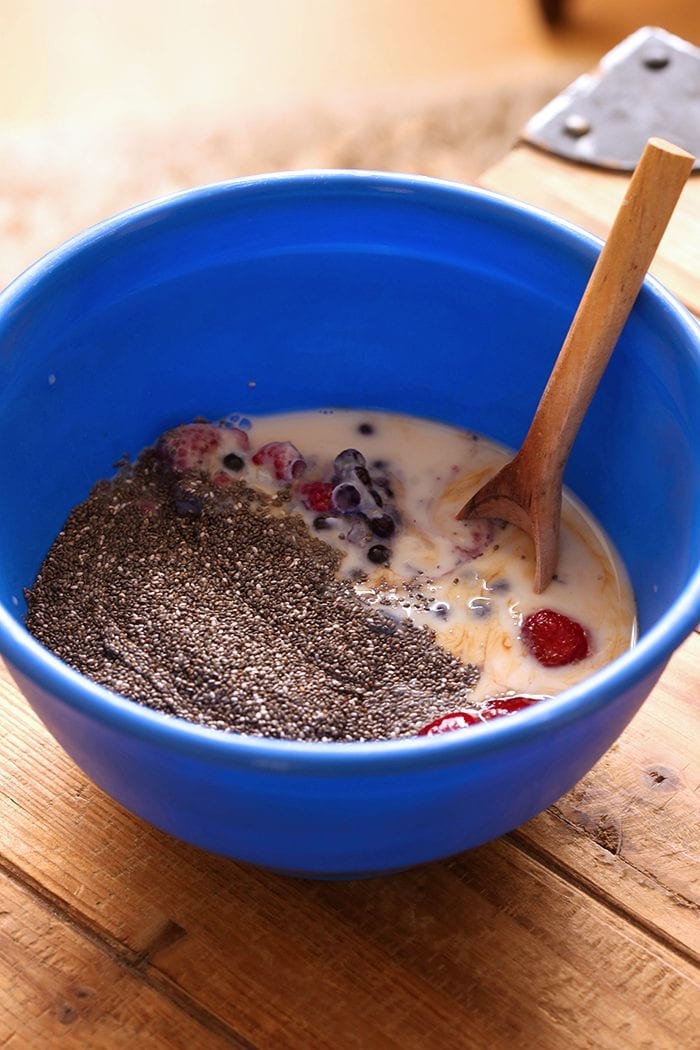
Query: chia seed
{"points": [[232, 617]]}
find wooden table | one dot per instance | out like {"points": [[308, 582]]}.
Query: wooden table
{"points": [[579, 929]]}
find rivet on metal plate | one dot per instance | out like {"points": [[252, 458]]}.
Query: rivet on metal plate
{"points": [[649, 85], [576, 125], [656, 60]]}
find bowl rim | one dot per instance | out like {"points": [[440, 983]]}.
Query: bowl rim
{"points": [[648, 657]]}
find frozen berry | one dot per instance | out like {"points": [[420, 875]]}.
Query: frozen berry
{"points": [[188, 508], [479, 607], [554, 639], [189, 448], [233, 439], [448, 723], [198, 447], [346, 497], [496, 707], [383, 624], [383, 484], [281, 459], [186, 501], [379, 554], [507, 705], [382, 526], [233, 462], [316, 495], [322, 522], [348, 459]]}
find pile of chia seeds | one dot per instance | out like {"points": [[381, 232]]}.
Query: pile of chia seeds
{"points": [[219, 606]]}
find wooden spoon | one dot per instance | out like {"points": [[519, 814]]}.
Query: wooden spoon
{"points": [[527, 491]]}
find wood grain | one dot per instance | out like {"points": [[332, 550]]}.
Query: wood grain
{"points": [[590, 198], [60, 988], [558, 935], [630, 829]]}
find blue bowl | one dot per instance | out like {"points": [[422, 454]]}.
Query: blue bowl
{"points": [[345, 289]]}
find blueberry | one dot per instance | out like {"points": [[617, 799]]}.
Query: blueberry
{"points": [[185, 499], [498, 585], [379, 554], [383, 526], [480, 607], [440, 609], [188, 506], [349, 458], [346, 497], [365, 428], [233, 462]]}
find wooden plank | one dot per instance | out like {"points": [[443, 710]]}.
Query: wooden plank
{"points": [[590, 198], [488, 950], [60, 989], [504, 943], [630, 830]]}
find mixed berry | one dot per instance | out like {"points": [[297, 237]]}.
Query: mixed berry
{"points": [[345, 494], [351, 496], [495, 707], [281, 459], [358, 499]]}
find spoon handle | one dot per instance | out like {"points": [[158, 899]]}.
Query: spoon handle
{"points": [[614, 284]]}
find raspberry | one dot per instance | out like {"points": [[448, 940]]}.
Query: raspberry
{"points": [[198, 448], [496, 707], [553, 639], [281, 459], [233, 441], [507, 705], [189, 447], [448, 723], [316, 495]]}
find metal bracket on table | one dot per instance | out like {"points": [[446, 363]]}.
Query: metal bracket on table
{"points": [[647, 85]]}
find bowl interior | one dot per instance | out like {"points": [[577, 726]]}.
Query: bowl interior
{"points": [[349, 290]]}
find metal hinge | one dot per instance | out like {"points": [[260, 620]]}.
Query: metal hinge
{"points": [[647, 85]]}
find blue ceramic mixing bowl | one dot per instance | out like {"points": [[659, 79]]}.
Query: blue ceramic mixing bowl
{"points": [[346, 289]]}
